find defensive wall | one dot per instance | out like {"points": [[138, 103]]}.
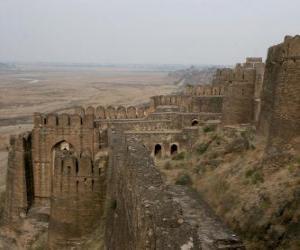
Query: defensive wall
{"points": [[19, 186], [77, 163], [145, 213], [280, 115]]}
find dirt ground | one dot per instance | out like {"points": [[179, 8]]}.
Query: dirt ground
{"points": [[41, 88]]}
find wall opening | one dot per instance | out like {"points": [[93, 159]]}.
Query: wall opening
{"points": [[157, 150], [77, 167], [195, 123], [174, 149], [77, 186]]}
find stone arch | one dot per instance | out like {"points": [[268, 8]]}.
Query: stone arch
{"points": [[111, 112], [158, 150], [173, 149], [168, 100], [140, 112], [131, 112], [216, 92], [173, 100], [80, 111], [195, 122], [63, 158], [100, 112], [199, 90], [162, 100], [90, 110], [121, 112]]}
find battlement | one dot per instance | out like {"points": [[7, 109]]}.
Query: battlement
{"points": [[280, 111], [120, 112], [254, 60], [247, 72], [286, 52], [203, 90], [63, 120]]}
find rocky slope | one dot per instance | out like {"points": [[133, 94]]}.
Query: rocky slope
{"points": [[259, 201]]}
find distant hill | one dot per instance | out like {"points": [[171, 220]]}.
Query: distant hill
{"points": [[193, 75], [7, 66]]}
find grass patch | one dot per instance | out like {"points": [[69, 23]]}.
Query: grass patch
{"points": [[183, 179], [208, 128], [179, 156], [168, 165], [220, 186], [255, 176], [201, 148]]}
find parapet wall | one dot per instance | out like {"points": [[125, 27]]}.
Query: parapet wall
{"points": [[142, 213], [203, 90], [112, 112], [280, 115], [169, 100]]}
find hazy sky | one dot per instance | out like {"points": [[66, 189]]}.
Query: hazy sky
{"points": [[143, 31]]}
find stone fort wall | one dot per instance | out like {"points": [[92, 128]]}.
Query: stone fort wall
{"points": [[280, 115], [143, 214], [62, 163], [79, 186], [19, 186], [49, 131]]}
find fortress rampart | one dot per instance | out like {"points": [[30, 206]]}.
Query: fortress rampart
{"points": [[144, 216], [280, 97], [51, 130], [78, 164], [79, 185]]}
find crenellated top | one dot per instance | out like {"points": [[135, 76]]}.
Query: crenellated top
{"points": [[182, 101], [286, 52], [247, 72], [19, 142], [204, 90], [63, 120], [85, 117], [119, 112]]}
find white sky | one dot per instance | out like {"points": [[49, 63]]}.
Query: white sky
{"points": [[143, 31]]}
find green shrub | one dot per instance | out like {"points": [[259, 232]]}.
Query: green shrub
{"points": [[183, 179], [167, 165], [208, 128], [220, 186], [254, 175], [179, 156], [201, 148], [257, 177], [249, 172]]}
